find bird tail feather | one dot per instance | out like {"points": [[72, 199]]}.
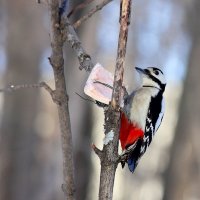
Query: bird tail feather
{"points": [[131, 164]]}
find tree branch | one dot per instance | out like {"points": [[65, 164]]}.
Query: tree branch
{"points": [[79, 7], [90, 13], [61, 98], [35, 85], [125, 12], [110, 157], [60, 31], [70, 35], [44, 85], [97, 151]]}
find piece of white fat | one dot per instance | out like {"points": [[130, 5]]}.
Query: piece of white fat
{"points": [[99, 85], [109, 137], [95, 89]]}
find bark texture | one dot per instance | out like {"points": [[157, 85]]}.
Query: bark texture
{"points": [[109, 154], [60, 97]]}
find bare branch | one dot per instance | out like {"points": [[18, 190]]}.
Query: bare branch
{"points": [[71, 36], [86, 99], [46, 87], [90, 13], [112, 114], [119, 68], [79, 7], [62, 30], [97, 151], [61, 98], [12, 88]]}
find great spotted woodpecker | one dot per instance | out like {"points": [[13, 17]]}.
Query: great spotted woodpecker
{"points": [[142, 116], [141, 111]]}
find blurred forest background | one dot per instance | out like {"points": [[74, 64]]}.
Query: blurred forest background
{"points": [[162, 33]]}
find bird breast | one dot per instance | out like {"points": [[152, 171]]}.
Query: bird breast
{"points": [[140, 106]]}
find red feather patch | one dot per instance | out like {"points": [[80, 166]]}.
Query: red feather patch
{"points": [[129, 133]]}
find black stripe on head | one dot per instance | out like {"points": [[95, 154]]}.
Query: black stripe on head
{"points": [[154, 69], [162, 86], [148, 73]]}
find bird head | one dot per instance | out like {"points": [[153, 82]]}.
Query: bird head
{"points": [[152, 77]]}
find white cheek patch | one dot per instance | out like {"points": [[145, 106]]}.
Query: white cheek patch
{"points": [[149, 82]]}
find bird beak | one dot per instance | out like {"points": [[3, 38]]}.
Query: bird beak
{"points": [[141, 71]]}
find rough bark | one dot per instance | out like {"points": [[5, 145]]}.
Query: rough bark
{"points": [[83, 57], [109, 154], [61, 99]]}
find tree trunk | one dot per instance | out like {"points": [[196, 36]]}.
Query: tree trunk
{"points": [[21, 166], [183, 174]]}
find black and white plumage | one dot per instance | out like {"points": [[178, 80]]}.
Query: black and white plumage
{"points": [[143, 115]]}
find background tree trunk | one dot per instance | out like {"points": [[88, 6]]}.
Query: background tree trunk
{"points": [[183, 174], [22, 164], [79, 109]]}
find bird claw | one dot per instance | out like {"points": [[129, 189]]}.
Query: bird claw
{"points": [[126, 153], [131, 147]]}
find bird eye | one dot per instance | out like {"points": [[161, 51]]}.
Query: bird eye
{"points": [[156, 72]]}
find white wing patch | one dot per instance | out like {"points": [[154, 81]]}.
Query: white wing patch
{"points": [[160, 117]]}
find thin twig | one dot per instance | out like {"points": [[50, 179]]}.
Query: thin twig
{"points": [[86, 99], [97, 151], [44, 85], [90, 13], [12, 87], [79, 7]]}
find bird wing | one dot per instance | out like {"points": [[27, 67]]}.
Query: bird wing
{"points": [[160, 117], [155, 114], [153, 120]]}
